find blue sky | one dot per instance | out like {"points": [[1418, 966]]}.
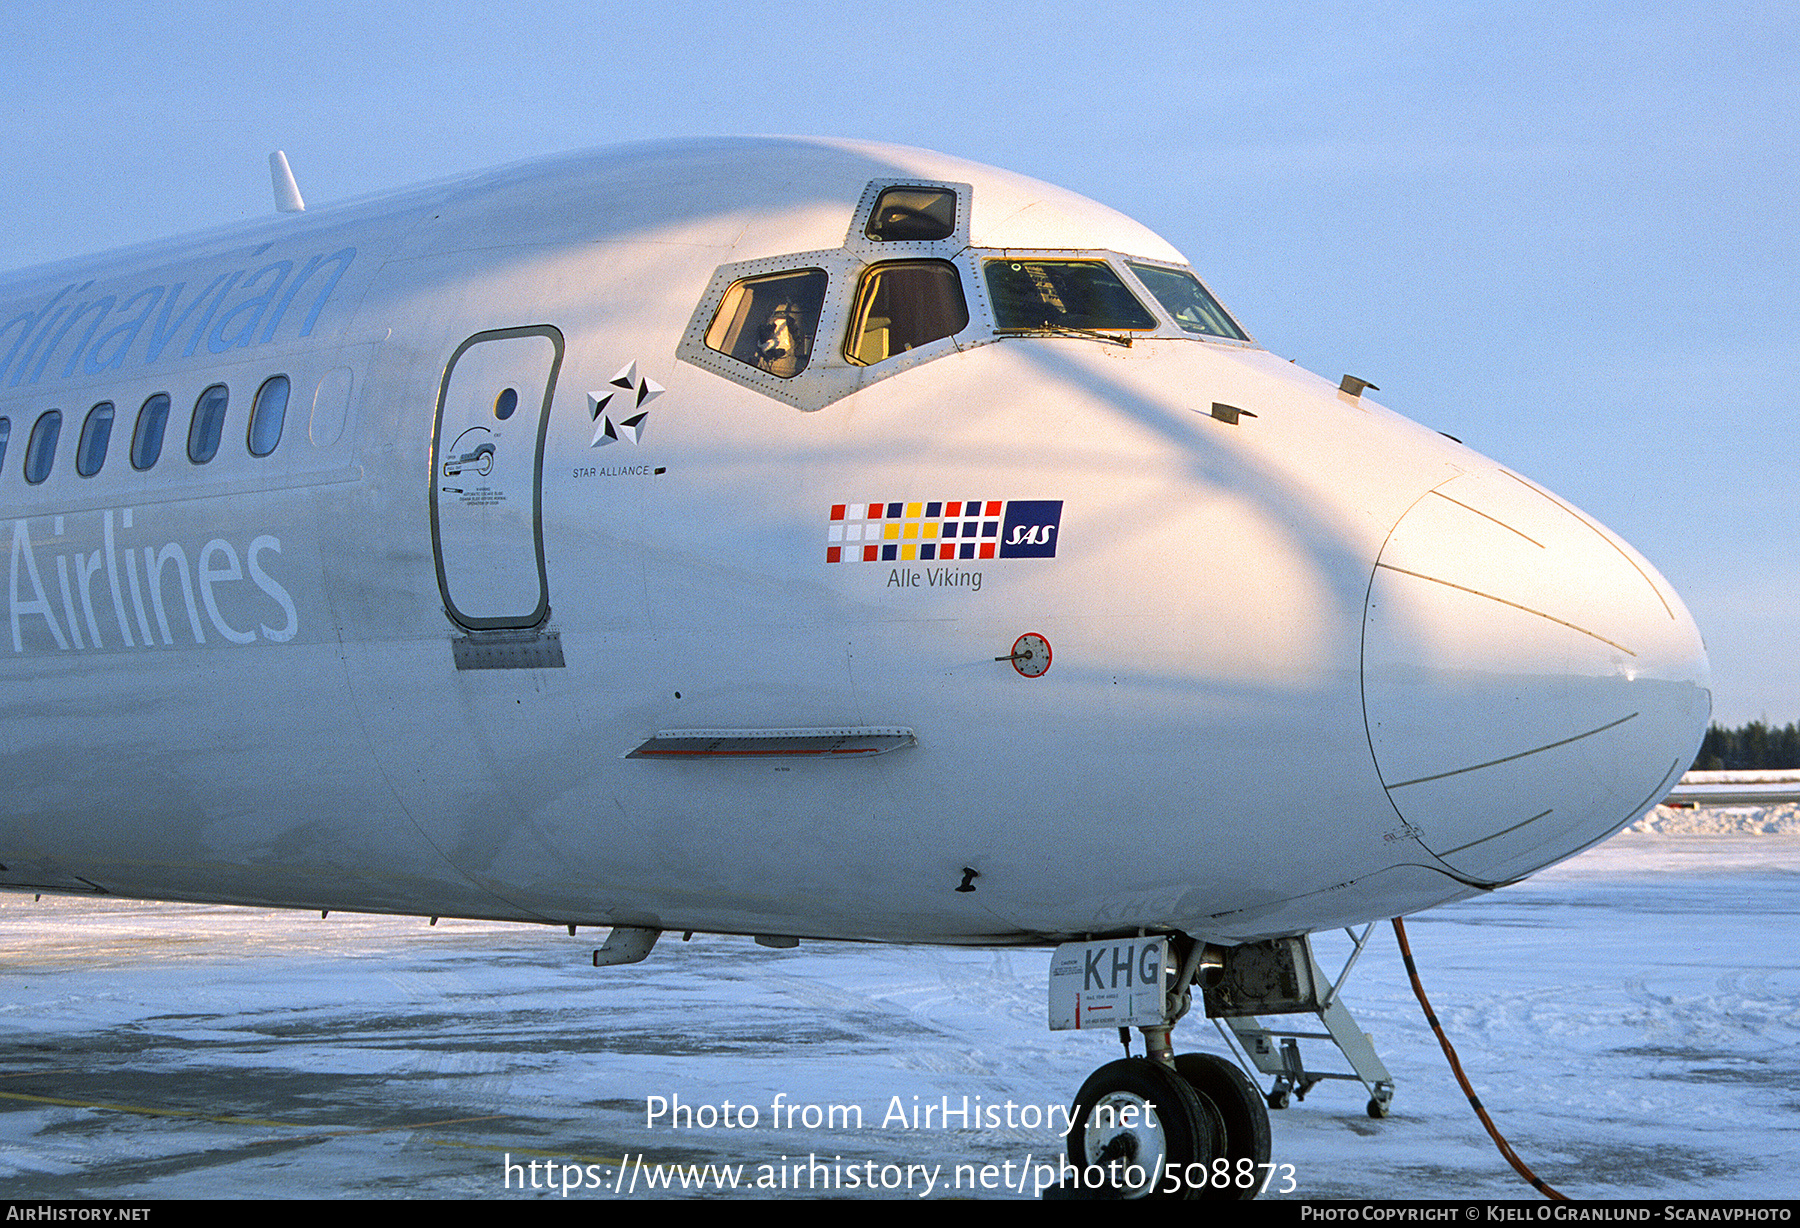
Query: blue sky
{"points": [[1566, 234]]}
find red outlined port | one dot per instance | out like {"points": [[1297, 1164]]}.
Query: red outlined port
{"points": [[1030, 655]]}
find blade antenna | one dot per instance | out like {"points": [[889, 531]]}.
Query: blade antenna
{"points": [[287, 192]]}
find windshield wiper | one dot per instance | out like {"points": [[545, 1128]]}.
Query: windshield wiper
{"points": [[1064, 330]]}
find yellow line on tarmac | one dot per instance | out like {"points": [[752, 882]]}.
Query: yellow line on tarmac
{"points": [[528, 1151], [146, 1111], [194, 1114], [422, 1125]]}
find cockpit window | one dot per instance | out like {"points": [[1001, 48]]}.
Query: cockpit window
{"points": [[903, 305], [769, 322], [913, 215], [1183, 297], [1053, 294]]}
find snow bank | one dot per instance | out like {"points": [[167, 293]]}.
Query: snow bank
{"points": [[1721, 820]]}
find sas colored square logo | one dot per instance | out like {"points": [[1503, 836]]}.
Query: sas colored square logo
{"points": [[931, 530]]}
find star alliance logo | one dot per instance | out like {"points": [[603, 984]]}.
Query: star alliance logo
{"points": [[620, 414]]}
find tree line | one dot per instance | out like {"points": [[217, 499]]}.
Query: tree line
{"points": [[1756, 745]]}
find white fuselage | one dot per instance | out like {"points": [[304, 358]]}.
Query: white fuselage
{"points": [[1314, 666]]}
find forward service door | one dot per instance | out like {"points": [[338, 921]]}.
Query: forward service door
{"points": [[487, 464]]}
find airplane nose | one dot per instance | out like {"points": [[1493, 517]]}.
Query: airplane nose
{"points": [[1530, 683]]}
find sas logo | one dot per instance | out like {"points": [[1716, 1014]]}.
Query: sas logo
{"points": [[943, 530]]}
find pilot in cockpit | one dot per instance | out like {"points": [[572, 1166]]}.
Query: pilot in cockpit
{"points": [[768, 322], [778, 340]]}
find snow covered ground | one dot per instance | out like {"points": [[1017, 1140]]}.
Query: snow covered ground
{"points": [[1631, 1019]]}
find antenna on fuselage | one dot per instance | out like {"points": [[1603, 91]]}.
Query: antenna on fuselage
{"points": [[287, 192]]}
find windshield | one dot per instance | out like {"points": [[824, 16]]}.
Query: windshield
{"points": [[1183, 297], [1073, 294]]}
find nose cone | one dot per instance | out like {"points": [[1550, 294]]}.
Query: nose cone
{"points": [[1531, 684]]}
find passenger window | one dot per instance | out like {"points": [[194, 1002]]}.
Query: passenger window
{"points": [[1183, 297], [266, 415], [1052, 294], [913, 215], [96, 432], [208, 424], [40, 451], [147, 437], [769, 322], [901, 306], [5, 436]]}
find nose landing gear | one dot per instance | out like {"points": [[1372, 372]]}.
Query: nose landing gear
{"points": [[1161, 1126], [1196, 1125]]}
